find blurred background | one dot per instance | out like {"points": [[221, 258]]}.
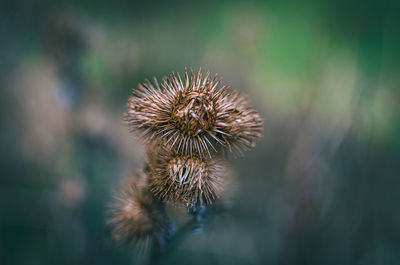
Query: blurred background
{"points": [[321, 187]]}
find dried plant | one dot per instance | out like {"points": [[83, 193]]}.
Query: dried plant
{"points": [[195, 115], [189, 125], [137, 218], [181, 178]]}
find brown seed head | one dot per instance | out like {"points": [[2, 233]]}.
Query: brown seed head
{"points": [[136, 217], [178, 178], [193, 116]]}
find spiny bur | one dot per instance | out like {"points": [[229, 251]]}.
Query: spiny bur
{"points": [[193, 115], [186, 179], [136, 218]]}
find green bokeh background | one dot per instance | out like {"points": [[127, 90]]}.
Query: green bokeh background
{"points": [[321, 187]]}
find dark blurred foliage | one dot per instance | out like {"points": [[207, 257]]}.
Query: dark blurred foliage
{"points": [[322, 187]]}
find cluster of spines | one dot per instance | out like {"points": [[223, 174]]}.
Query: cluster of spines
{"points": [[185, 179], [193, 116], [137, 218]]}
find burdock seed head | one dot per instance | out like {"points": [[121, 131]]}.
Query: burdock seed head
{"points": [[137, 218], [186, 179], [194, 115]]}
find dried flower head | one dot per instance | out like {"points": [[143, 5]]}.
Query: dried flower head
{"points": [[137, 218], [193, 116], [183, 178]]}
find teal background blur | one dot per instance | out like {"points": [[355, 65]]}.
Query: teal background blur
{"points": [[321, 187]]}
